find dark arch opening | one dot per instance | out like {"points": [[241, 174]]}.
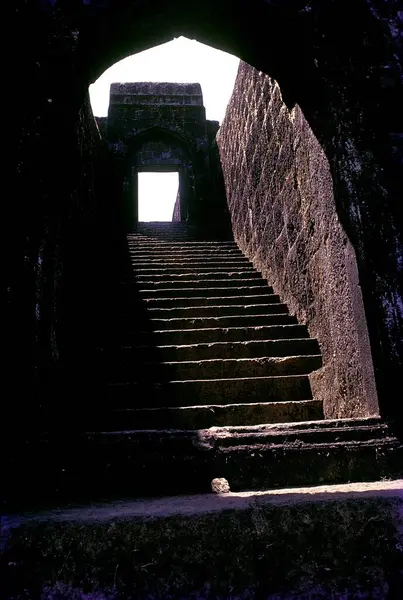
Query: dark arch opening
{"points": [[348, 85], [244, 34], [334, 85]]}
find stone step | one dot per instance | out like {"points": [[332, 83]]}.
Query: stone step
{"points": [[168, 226], [195, 278], [161, 224], [207, 293], [204, 417], [192, 263], [152, 232], [129, 370], [244, 303], [178, 246], [140, 242], [256, 435], [173, 229], [139, 463], [182, 283], [163, 236], [208, 335], [157, 230], [249, 349], [145, 393], [191, 254], [169, 238], [163, 230], [190, 269], [216, 310], [141, 252], [182, 246], [228, 437], [225, 321], [141, 248], [171, 255]]}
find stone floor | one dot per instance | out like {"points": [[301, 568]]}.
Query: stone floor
{"points": [[198, 504]]}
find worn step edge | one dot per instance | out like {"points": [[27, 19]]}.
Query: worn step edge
{"points": [[203, 417], [138, 241], [236, 260], [219, 310], [198, 322], [209, 335], [191, 252], [261, 436], [196, 269], [208, 369], [186, 301], [213, 265], [206, 292], [241, 349], [199, 284], [193, 277]]}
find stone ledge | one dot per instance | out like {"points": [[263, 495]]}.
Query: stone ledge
{"points": [[339, 542]]}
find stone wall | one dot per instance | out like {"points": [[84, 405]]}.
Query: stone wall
{"points": [[58, 256], [176, 214], [280, 196]]}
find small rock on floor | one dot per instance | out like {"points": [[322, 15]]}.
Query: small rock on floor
{"points": [[219, 485]]}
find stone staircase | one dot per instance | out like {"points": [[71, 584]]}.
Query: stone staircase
{"points": [[200, 372], [205, 336]]}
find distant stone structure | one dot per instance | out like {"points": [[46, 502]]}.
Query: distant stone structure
{"points": [[162, 127]]}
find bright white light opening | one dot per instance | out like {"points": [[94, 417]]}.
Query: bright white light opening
{"points": [[181, 60], [157, 195]]}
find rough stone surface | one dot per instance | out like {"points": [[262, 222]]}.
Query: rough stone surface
{"points": [[219, 485], [327, 542], [280, 197]]}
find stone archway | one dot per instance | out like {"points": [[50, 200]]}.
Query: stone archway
{"points": [[347, 84], [159, 151]]}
